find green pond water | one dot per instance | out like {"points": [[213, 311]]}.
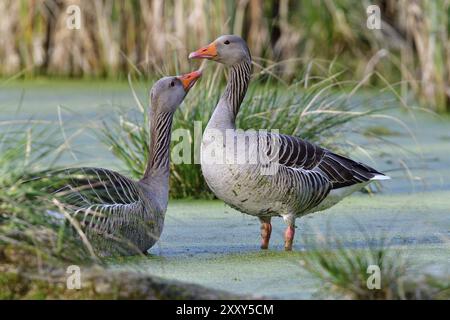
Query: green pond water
{"points": [[208, 243]]}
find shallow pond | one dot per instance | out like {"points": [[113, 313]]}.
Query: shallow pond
{"points": [[208, 243]]}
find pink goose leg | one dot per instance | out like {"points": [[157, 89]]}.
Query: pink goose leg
{"points": [[290, 232], [266, 231], [289, 238]]}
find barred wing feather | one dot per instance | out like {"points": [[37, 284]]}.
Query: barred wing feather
{"points": [[100, 199], [339, 170]]}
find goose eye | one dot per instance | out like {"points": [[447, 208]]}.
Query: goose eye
{"points": [[227, 42], [172, 84]]}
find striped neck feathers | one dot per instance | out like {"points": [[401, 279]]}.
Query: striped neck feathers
{"points": [[159, 148], [239, 78]]}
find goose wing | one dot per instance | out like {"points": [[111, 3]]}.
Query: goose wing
{"points": [[339, 170], [100, 199]]}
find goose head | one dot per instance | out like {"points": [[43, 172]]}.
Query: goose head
{"points": [[167, 93], [228, 49]]}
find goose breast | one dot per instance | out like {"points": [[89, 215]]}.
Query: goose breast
{"points": [[236, 171]]}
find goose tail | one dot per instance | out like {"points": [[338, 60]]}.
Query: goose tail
{"points": [[380, 177]]}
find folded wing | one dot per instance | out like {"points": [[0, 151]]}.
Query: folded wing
{"points": [[339, 170], [100, 199]]}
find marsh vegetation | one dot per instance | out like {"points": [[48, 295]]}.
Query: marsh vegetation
{"points": [[319, 74], [27, 231], [411, 48]]}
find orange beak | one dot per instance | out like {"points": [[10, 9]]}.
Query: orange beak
{"points": [[189, 79], [208, 52]]}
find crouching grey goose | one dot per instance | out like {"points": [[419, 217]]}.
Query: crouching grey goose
{"points": [[308, 178], [118, 215]]}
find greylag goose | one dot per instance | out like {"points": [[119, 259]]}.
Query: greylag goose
{"points": [[118, 215], [308, 178]]}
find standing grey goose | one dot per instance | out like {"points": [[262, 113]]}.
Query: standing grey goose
{"points": [[308, 178], [119, 215]]}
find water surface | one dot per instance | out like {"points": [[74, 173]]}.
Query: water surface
{"points": [[208, 243]]}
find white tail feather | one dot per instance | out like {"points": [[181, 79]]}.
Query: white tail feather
{"points": [[380, 177]]}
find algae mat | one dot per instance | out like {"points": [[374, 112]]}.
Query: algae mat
{"points": [[206, 243]]}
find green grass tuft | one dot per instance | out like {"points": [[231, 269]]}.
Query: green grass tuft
{"points": [[344, 271], [26, 155]]}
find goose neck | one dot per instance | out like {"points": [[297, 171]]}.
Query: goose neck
{"points": [[231, 100], [159, 148]]}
